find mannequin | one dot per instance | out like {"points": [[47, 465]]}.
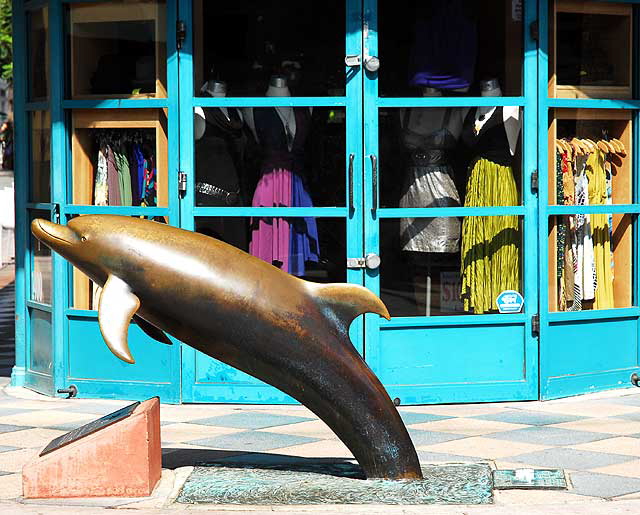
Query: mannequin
{"points": [[490, 245], [429, 136], [220, 142], [282, 133]]}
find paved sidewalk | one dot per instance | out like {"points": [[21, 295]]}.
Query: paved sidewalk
{"points": [[596, 438]]}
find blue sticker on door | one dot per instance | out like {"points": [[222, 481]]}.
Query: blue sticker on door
{"points": [[510, 301]]}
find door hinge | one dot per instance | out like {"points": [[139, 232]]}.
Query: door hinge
{"points": [[182, 182], [181, 33], [534, 181], [534, 31], [535, 325]]}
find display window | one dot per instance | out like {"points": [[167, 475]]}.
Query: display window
{"points": [[38, 62], [40, 166]]}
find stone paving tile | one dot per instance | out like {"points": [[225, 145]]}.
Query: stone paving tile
{"points": [[8, 428], [320, 449], [617, 445], [35, 437], [549, 435], [588, 409], [251, 420], [483, 448], [311, 428], [467, 426], [3, 473], [410, 417], [614, 426], [13, 461], [253, 441], [603, 485], [5, 448], [532, 418], [627, 469], [439, 457], [558, 498], [6, 411], [419, 437], [459, 410], [627, 400], [93, 408], [11, 486], [573, 459], [630, 416], [183, 432], [46, 418]]}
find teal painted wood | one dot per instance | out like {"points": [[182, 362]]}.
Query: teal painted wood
{"points": [[400, 351], [270, 101], [21, 181], [316, 212], [37, 106], [77, 209], [122, 103], [574, 210]]}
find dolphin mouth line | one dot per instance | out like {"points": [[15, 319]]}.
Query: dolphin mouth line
{"points": [[53, 236]]}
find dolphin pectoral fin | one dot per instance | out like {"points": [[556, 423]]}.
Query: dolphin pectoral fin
{"points": [[117, 306], [348, 301], [152, 331]]}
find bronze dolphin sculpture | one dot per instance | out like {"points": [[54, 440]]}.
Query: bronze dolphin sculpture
{"points": [[290, 333]]}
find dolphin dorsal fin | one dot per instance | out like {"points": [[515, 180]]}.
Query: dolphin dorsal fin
{"points": [[117, 306], [347, 301]]}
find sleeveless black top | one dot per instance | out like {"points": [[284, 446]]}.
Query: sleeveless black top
{"points": [[491, 142]]}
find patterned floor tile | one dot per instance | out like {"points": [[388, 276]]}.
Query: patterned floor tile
{"points": [[419, 437], [29, 438], [467, 426], [602, 485], [183, 432], [627, 400], [618, 445], [630, 416], [531, 418], [613, 426], [8, 428], [459, 410], [549, 435], [585, 409], [11, 486], [45, 418], [481, 447], [173, 458], [13, 461], [573, 459], [3, 473], [439, 457], [251, 420], [410, 417], [627, 469], [530, 498], [253, 441], [321, 449], [5, 411], [312, 428], [6, 448]]}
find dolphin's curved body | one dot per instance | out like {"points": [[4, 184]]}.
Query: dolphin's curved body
{"points": [[290, 333]]}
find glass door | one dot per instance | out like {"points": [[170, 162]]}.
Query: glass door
{"points": [[450, 198], [271, 149]]}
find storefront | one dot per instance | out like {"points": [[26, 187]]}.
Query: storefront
{"points": [[473, 163]]}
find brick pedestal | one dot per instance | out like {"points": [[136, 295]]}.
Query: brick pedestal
{"points": [[121, 460]]}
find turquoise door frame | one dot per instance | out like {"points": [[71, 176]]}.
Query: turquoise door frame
{"points": [[586, 351], [205, 379], [454, 358]]}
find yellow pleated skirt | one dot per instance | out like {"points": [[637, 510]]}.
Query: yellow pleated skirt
{"points": [[490, 261]]}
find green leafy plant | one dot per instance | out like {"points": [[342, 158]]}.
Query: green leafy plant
{"points": [[6, 41]]}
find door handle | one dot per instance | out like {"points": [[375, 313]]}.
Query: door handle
{"points": [[351, 159], [352, 61], [374, 182]]}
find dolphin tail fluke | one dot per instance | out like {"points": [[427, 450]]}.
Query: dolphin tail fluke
{"points": [[348, 301]]}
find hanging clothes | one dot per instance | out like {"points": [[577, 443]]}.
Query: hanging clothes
{"points": [[124, 178], [429, 182], [113, 179], [101, 187], [281, 185], [149, 186], [490, 250]]}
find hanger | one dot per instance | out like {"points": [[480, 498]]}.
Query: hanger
{"points": [[602, 145], [622, 151]]}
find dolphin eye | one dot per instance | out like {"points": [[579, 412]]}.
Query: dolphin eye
{"points": [[83, 238]]}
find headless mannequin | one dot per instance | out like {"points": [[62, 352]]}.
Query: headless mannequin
{"points": [[510, 114], [216, 89], [426, 122]]}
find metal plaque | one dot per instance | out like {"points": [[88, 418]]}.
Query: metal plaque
{"points": [[89, 428], [542, 479]]}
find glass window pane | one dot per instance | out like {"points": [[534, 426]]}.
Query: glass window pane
{"points": [[117, 49], [40, 156], [591, 262], [245, 43], [38, 41], [119, 157], [448, 157], [591, 49], [449, 47], [449, 266], [41, 355], [311, 248], [590, 157], [41, 271], [270, 157]]}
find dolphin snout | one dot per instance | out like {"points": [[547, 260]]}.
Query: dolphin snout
{"points": [[52, 235]]}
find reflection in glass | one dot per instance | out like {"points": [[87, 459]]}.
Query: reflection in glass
{"points": [[450, 281], [447, 157], [449, 45], [311, 248], [593, 54], [590, 258], [40, 156], [41, 353], [589, 149], [38, 54], [269, 156], [42, 269], [118, 49], [251, 41]]}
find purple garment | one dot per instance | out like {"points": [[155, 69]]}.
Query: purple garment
{"points": [[445, 45], [139, 171], [304, 231], [270, 236], [113, 180]]}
